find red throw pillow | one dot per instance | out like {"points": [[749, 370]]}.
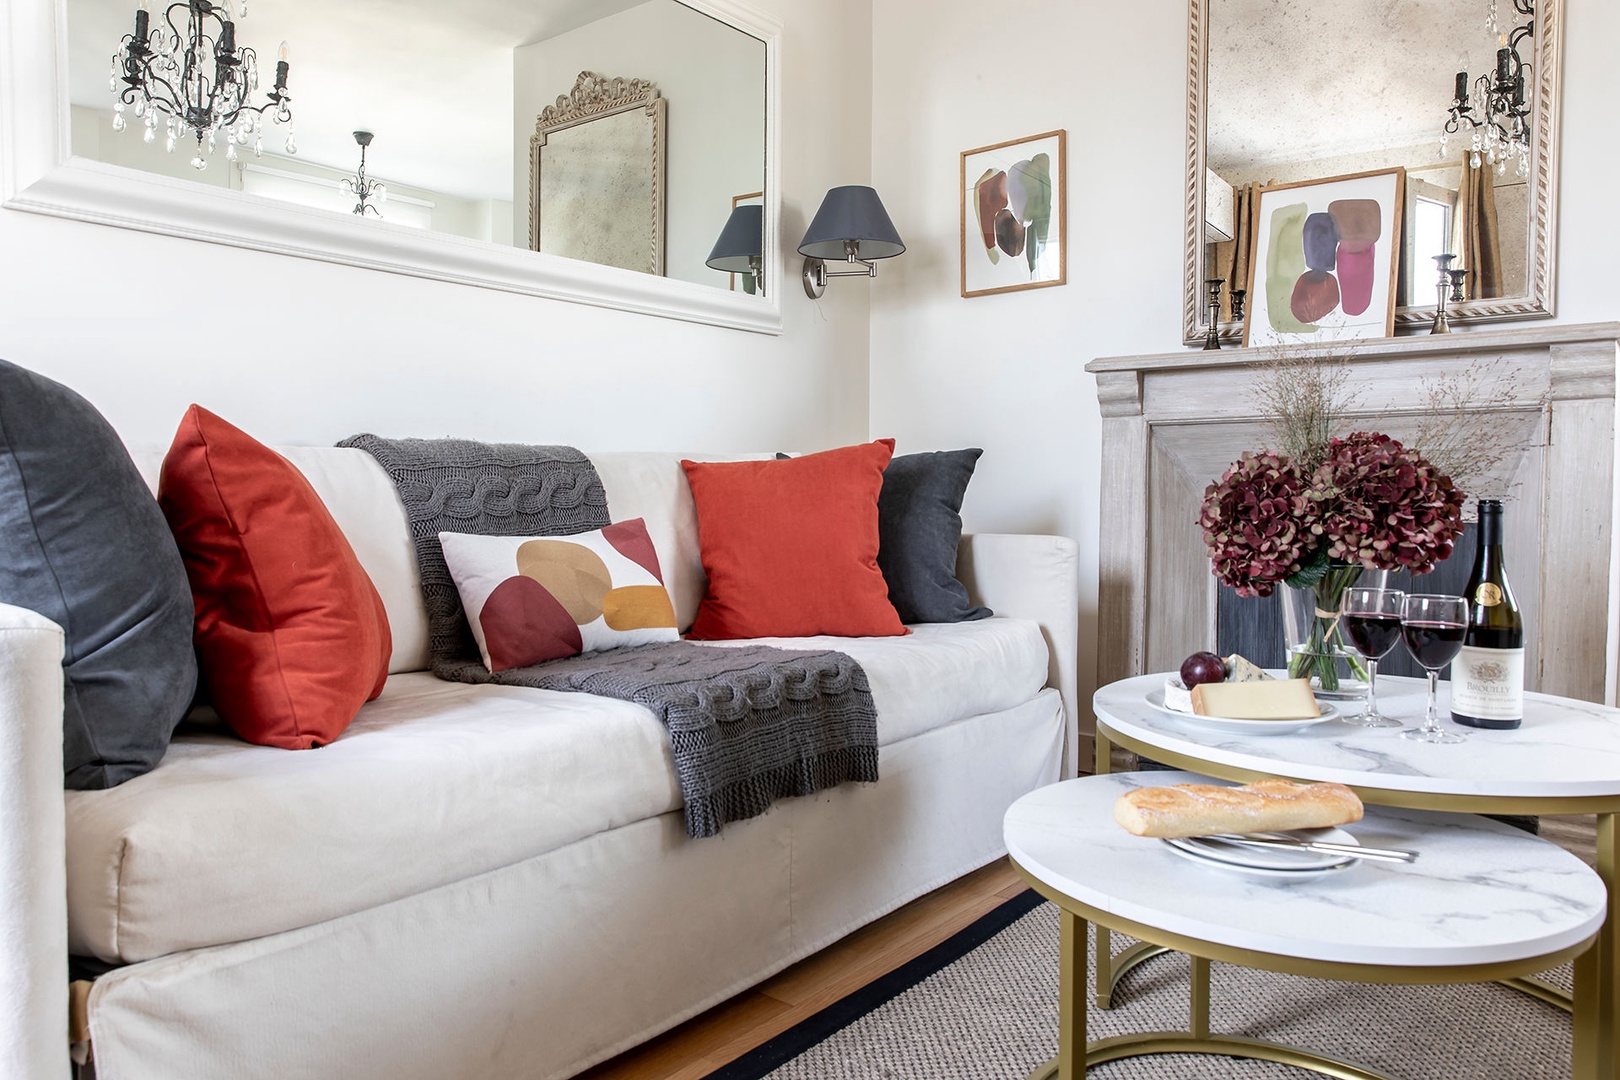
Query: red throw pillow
{"points": [[291, 635], [791, 546]]}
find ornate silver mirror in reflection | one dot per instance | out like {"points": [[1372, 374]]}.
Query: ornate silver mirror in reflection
{"points": [[596, 187], [1279, 92]]}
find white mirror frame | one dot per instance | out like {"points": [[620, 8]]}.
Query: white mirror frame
{"points": [[39, 174], [1543, 248]]}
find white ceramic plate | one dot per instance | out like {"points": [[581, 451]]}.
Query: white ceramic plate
{"points": [[1330, 711], [1276, 863]]}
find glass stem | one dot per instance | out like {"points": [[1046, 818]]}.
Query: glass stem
{"points": [[1431, 718], [1372, 686]]}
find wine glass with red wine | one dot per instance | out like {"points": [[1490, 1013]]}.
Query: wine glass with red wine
{"points": [[1433, 628], [1371, 619]]}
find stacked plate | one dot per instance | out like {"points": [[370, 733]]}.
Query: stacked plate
{"points": [[1271, 862], [1155, 698]]}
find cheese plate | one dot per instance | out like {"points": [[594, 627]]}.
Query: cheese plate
{"points": [[1330, 711]]}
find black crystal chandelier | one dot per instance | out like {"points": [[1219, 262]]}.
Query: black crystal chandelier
{"points": [[188, 75], [1495, 110], [366, 191]]}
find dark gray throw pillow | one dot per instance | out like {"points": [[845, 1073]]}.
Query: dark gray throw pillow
{"points": [[83, 543], [919, 529]]}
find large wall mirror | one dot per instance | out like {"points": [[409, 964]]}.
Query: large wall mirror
{"points": [[450, 95], [1280, 92]]}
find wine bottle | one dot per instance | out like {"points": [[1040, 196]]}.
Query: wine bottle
{"points": [[1487, 678]]}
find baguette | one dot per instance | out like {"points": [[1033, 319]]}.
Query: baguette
{"points": [[1269, 805]]}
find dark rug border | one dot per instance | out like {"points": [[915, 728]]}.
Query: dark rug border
{"points": [[840, 1014]]}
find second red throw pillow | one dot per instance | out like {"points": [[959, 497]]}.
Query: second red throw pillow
{"points": [[791, 546]]}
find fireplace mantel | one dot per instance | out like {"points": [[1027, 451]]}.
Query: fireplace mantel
{"points": [[1172, 422]]}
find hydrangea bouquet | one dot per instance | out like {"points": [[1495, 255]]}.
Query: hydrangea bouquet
{"points": [[1321, 510]]}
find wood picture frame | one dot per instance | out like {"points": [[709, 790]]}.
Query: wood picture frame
{"points": [[1014, 215], [1326, 259]]}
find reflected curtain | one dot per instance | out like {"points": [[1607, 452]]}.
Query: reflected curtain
{"points": [[1475, 236], [1231, 258]]}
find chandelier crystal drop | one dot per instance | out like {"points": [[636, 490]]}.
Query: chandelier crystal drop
{"points": [[1495, 108], [189, 67]]}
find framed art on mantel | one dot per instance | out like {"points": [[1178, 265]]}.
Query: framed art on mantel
{"points": [[1325, 258], [1014, 215]]}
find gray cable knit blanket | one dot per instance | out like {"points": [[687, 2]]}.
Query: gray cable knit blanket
{"points": [[748, 724]]}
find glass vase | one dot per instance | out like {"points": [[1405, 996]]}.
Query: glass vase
{"points": [[1316, 647]]}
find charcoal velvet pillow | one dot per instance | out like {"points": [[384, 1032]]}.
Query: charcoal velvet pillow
{"points": [[919, 530], [83, 543]]}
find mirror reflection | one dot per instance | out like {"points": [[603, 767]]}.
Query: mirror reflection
{"points": [[448, 98], [1308, 91]]}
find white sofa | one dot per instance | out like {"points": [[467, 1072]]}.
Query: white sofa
{"points": [[485, 881]]}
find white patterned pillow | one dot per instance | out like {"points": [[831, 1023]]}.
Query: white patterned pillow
{"points": [[534, 598]]}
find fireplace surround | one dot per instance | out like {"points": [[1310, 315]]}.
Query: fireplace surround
{"points": [[1173, 422]]}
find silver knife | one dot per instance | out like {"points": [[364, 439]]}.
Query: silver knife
{"points": [[1322, 846]]}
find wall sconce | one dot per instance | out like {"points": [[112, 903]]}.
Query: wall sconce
{"points": [[852, 227], [739, 249]]}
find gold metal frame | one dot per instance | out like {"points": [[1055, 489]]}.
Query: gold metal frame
{"points": [[1595, 1004], [1075, 1054]]}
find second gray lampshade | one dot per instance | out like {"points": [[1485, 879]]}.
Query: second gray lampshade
{"points": [[742, 239], [853, 212]]}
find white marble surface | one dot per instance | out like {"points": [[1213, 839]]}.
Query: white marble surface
{"points": [[1479, 892], [1564, 748]]}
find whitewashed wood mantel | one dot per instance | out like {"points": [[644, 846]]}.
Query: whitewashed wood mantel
{"points": [[1173, 422]]}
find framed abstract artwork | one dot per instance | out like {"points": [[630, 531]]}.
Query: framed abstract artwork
{"points": [[1014, 215], [1325, 257]]}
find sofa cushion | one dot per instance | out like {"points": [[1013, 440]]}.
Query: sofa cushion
{"points": [[790, 546], [435, 782], [919, 528], [82, 543], [291, 635], [534, 598]]}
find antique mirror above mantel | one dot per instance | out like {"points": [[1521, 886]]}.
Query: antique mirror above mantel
{"points": [[1280, 91], [447, 98]]}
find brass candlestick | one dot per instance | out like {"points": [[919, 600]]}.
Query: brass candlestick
{"points": [[1443, 289], [1212, 340]]}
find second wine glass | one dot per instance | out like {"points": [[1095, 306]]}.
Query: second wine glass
{"points": [[1433, 627], [1371, 619]]}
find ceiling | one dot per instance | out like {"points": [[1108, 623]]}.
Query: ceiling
{"points": [[1298, 80], [432, 80]]}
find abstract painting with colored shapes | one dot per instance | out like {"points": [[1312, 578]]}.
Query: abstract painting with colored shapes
{"points": [[1013, 215]]}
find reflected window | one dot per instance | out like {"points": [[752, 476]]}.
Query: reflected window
{"points": [[1431, 233]]}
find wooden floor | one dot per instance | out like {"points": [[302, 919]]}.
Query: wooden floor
{"points": [[733, 1028]]}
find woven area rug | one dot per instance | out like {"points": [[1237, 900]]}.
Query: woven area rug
{"points": [[983, 1006]]}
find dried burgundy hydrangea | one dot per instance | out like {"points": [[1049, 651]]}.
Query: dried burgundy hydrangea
{"points": [[1259, 522], [1384, 506]]}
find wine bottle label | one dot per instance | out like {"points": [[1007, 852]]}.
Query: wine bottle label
{"points": [[1488, 594], [1488, 684]]}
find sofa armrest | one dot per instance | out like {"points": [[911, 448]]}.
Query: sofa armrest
{"points": [[33, 868], [1033, 577]]}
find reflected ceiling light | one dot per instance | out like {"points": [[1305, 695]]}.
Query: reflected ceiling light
{"points": [[1495, 110], [740, 247], [368, 192], [852, 227], [191, 70]]}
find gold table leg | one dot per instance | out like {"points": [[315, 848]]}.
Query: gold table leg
{"points": [[1597, 975]]}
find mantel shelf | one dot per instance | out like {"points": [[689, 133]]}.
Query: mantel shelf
{"points": [[1415, 347]]}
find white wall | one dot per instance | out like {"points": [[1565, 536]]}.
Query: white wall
{"points": [[1004, 372], [300, 351], [713, 79]]}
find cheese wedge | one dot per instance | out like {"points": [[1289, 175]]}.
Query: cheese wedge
{"points": [[1272, 699], [1240, 670]]}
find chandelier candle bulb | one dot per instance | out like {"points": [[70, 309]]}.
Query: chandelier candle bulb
{"points": [[1487, 678]]}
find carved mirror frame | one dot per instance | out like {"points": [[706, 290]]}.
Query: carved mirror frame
{"points": [[592, 99], [39, 174], [1542, 253]]}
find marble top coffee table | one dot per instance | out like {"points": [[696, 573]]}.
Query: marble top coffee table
{"points": [[1565, 759], [1483, 901]]}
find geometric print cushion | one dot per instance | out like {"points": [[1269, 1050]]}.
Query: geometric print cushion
{"points": [[534, 598]]}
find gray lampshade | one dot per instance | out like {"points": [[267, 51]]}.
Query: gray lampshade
{"points": [[742, 239], [853, 212]]}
